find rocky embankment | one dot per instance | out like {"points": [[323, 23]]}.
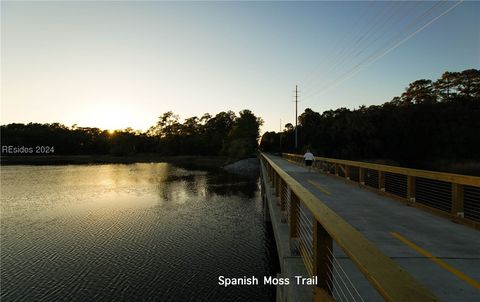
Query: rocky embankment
{"points": [[244, 167]]}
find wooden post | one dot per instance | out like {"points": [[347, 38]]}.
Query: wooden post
{"points": [[336, 169], [322, 257], [411, 188], [381, 181], [347, 174], [361, 176], [278, 182], [274, 182], [457, 200]]}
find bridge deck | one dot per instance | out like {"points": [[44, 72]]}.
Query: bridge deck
{"points": [[409, 236]]}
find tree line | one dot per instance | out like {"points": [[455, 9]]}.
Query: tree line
{"points": [[223, 134], [429, 121]]}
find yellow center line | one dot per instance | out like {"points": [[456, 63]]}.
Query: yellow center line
{"points": [[446, 266], [319, 187]]}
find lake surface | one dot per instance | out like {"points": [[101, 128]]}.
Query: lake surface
{"points": [[139, 232]]}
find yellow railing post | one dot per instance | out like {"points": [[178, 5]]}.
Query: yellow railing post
{"points": [[391, 281], [457, 200], [278, 183], [411, 188], [322, 258], [361, 176], [381, 181]]}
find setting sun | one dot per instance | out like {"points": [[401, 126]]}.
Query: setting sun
{"points": [[111, 117]]}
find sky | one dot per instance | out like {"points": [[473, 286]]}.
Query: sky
{"points": [[119, 64]]}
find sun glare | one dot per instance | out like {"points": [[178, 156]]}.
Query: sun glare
{"points": [[111, 117]]}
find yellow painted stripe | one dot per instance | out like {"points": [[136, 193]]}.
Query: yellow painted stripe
{"points": [[319, 187], [446, 266]]}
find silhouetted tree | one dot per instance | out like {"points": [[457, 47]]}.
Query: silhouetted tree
{"points": [[430, 120], [242, 139], [205, 136]]}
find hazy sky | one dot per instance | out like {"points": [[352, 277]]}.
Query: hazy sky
{"points": [[118, 64]]}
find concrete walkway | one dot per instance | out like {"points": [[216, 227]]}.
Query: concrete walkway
{"points": [[409, 236]]}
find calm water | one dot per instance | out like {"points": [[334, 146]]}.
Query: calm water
{"points": [[151, 232]]}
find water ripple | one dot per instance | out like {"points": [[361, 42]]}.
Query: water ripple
{"points": [[130, 232]]}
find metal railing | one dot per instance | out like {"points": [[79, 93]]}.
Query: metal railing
{"points": [[451, 195], [316, 229]]}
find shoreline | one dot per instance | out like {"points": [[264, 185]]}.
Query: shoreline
{"points": [[51, 160], [202, 161]]}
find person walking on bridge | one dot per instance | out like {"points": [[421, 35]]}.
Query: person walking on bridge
{"points": [[309, 159]]}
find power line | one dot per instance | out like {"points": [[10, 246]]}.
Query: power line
{"points": [[379, 54], [360, 49], [348, 49], [338, 43]]}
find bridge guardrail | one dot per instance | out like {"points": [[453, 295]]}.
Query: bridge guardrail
{"points": [[316, 227], [454, 196]]}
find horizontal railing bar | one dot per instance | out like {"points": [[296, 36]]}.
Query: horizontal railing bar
{"points": [[390, 185], [304, 237], [442, 176], [308, 243], [303, 226], [435, 189], [305, 233], [440, 203], [433, 202], [307, 259], [395, 185], [399, 180], [306, 249], [433, 194], [436, 197], [396, 181], [303, 240], [391, 281], [306, 219], [394, 175], [345, 274], [469, 211]]}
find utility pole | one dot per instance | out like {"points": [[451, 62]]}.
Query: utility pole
{"points": [[296, 116]]}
